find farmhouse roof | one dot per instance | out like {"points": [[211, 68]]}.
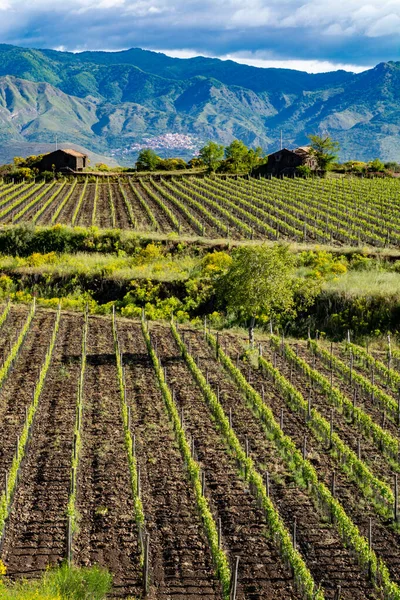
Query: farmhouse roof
{"points": [[72, 152], [302, 150], [279, 151]]}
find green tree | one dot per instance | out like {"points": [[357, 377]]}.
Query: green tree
{"points": [[196, 163], [238, 153], [255, 157], [102, 167], [259, 284], [376, 166], [325, 150], [211, 154], [171, 164], [147, 160], [392, 166]]}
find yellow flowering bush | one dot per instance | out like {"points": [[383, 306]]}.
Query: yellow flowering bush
{"points": [[3, 569], [37, 260]]}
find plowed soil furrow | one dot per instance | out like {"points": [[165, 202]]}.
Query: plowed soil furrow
{"points": [[382, 356], [262, 573], [231, 196], [210, 230], [8, 190], [103, 211], [230, 192], [121, 214], [67, 212], [203, 196], [108, 534], [31, 191], [10, 217], [329, 561], [347, 492], [11, 328], [185, 225], [363, 399], [28, 215], [180, 558], [162, 220], [46, 216], [142, 220], [36, 533], [372, 456], [85, 214], [365, 370], [17, 391]]}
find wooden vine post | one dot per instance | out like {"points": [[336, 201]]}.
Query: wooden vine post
{"points": [[234, 579]]}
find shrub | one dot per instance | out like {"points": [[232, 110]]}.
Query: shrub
{"points": [[304, 171], [64, 583]]}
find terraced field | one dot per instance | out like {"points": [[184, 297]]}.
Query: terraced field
{"points": [[192, 467], [348, 211]]}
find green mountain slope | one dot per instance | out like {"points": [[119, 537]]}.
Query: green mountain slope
{"points": [[110, 102]]}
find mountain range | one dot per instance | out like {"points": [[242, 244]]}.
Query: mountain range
{"points": [[110, 102]]}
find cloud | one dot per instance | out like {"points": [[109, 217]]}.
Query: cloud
{"points": [[256, 60], [317, 33], [388, 25]]}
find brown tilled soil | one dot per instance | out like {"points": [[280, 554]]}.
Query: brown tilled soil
{"points": [[27, 216], [46, 216], [10, 329], [347, 492], [210, 230], [67, 212], [36, 532], [143, 222], [160, 216], [103, 210], [330, 563], [186, 227], [180, 558], [108, 534], [85, 214], [363, 399], [262, 573], [121, 213], [344, 426], [17, 391]]}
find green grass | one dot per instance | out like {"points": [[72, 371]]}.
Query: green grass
{"points": [[64, 583], [379, 284], [124, 268]]}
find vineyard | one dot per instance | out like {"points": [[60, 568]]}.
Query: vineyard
{"points": [[342, 212], [191, 466]]}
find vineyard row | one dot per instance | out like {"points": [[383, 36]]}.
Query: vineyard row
{"points": [[190, 466], [351, 212]]}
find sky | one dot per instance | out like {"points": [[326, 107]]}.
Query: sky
{"points": [[310, 35]]}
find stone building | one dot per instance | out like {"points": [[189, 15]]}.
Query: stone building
{"points": [[63, 160], [284, 162]]}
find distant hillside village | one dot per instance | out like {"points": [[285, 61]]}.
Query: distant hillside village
{"points": [[315, 159]]}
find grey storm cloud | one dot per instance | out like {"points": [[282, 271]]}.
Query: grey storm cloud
{"points": [[341, 31]]}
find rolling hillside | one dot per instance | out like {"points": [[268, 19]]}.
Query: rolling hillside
{"points": [[109, 101]]}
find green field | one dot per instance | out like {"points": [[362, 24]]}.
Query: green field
{"points": [[341, 212]]}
